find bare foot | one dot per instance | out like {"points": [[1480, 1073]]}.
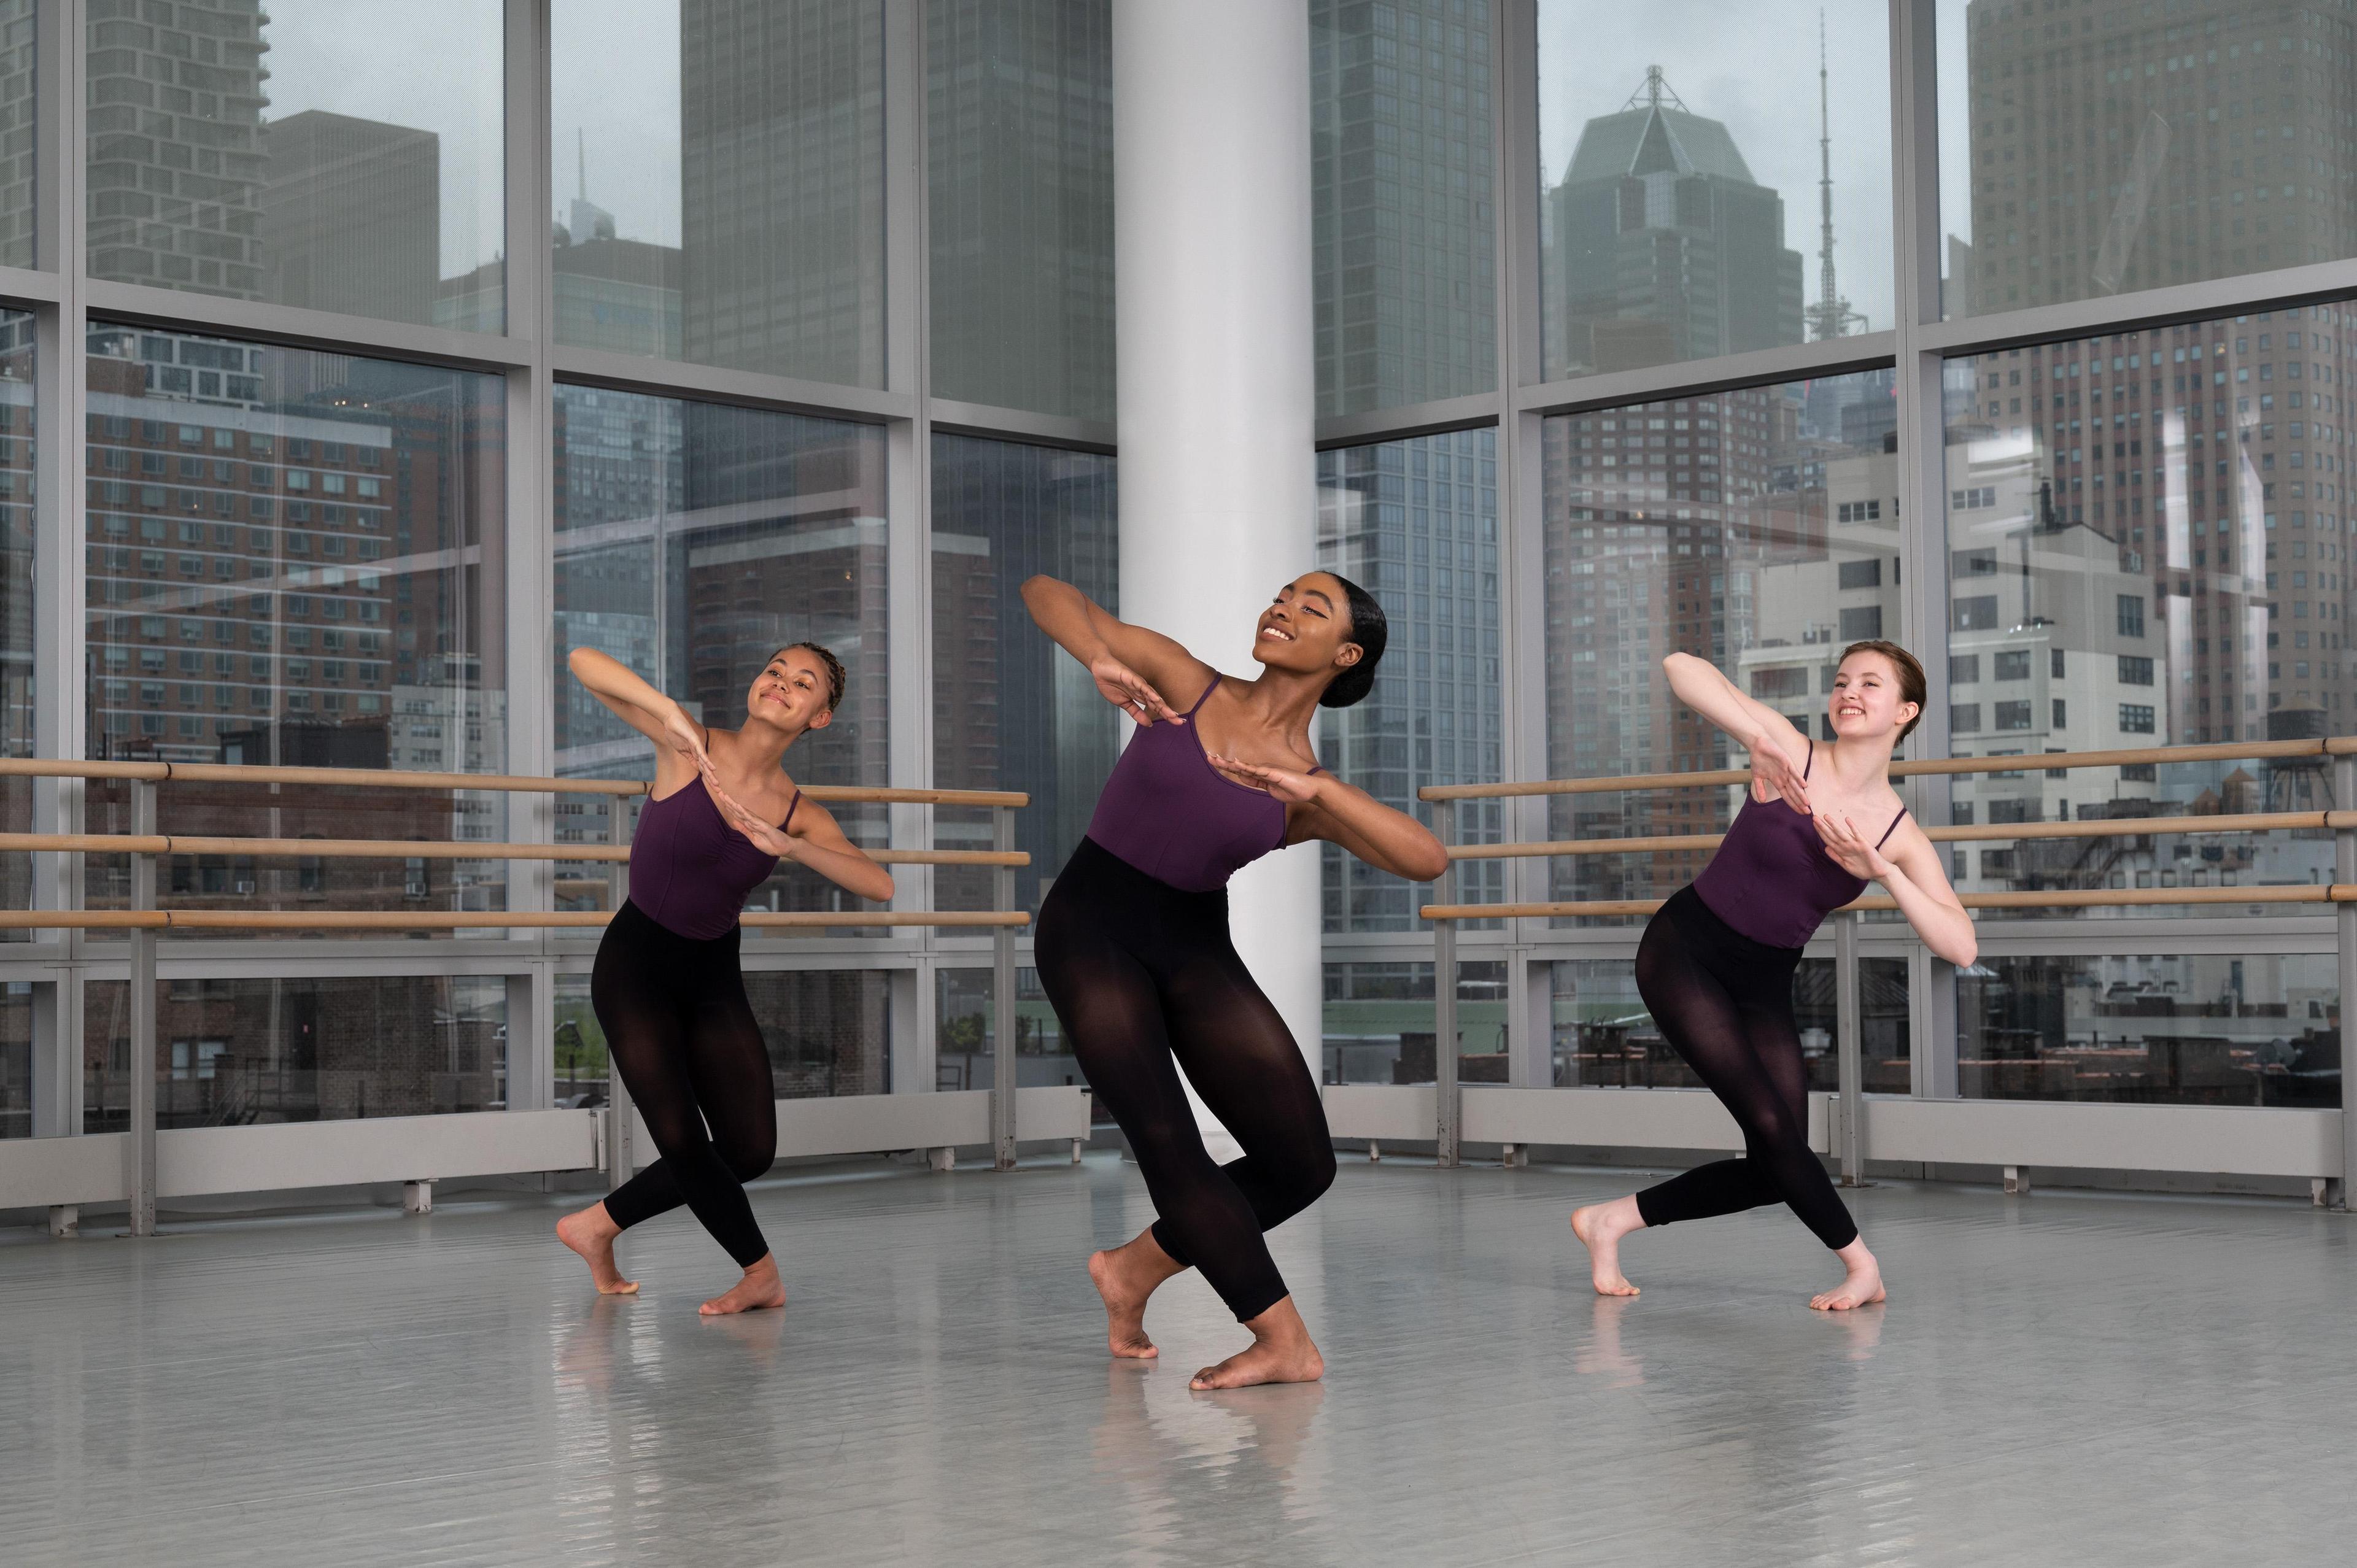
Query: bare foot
{"points": [[1280, 1353], [759, 1289], [1863, 1286], [1126, 1276], [591, 1232], [1600, 1226]]}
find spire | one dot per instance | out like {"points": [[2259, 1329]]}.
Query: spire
{"points": [[1831, 316], [581, 158], [1656, 88]]}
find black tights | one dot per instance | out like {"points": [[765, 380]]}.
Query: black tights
{"points": [[1725, 1003], [681, 1032], [1146, 981]]}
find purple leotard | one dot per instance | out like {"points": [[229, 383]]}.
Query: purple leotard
{"points": [[690, 870], [1167, 812], [1771, 878]]}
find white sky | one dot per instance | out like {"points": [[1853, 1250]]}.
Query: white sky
{"points": [[1751, 65]]}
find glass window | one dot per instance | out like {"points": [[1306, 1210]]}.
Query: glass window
{"points": [[1379, 1023], [1725, 540], [1415, 523], [1605, 1038], [1693, 209], [829, 1031], [694, 540], [2167, 146], [1011, 711], [2188, 537], [394, 658], [1404, 231], [16, 643], [366, 177], [966, 1041], [19, 29], [2152, 1029], [17, 1059], [240, 1052], [719, 183], [1019, 193]]}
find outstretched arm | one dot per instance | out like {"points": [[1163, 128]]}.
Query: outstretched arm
{"points": [[1779, 752], [679, 740], [1910, 871], [817, 842], [1321, 806], [1136, 669]]}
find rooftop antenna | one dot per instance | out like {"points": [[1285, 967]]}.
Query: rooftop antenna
{"points": [[581, 155], [1649, 95], [1831, 316]]}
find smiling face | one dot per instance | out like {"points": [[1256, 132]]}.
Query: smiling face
{"points": [[791, 693], [1866, 701], [1308, 629]]}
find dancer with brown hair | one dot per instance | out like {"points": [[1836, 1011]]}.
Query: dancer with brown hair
{"points": [[667, 986], [1716, 965]]}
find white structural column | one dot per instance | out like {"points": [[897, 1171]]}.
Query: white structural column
{"points": [[1218, 386]]}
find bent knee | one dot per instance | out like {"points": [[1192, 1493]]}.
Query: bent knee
{"points": [[749, 1162]]}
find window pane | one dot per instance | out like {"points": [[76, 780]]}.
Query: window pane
{"points": [[365, 177], [232, 1053], [829, 1031], [297, 559], [1415, 523], [1403, 235], [17, 644], [693, 541], [17, 1059], [1605, 1036], [1019, 186], [2148, 543], [1379, 1023], [1698, 208], [1736, 526], [2170, 1030], [740, 146], [966, 1041], [17, 33], [1011, 709], [2168, 146]]}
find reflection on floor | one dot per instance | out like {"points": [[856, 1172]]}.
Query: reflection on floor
{"points": [[2057, 1380]]}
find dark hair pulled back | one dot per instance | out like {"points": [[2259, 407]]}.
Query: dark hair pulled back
{"points": [[1370, 631]]}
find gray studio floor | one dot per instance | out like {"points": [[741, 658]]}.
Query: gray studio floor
{"points": [[2060, 1380]]}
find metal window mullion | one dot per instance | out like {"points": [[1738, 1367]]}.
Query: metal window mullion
{"points": [[59, 698], [1922, 468]]}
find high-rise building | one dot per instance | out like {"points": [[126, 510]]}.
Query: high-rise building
{"points": [[2118, 146], [781, 182], [1665, 248], [177, 163], [1019, 203], [352, 217]]}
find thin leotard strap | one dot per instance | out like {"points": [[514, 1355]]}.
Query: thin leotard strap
{"points": [[1810, 761], [796, 805], [1893, 827], [1313, 767], [1206, 696]]}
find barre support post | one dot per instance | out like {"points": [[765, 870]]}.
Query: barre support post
{"points": [[1002, 1061], [1448, 1103], [139, 1172]]}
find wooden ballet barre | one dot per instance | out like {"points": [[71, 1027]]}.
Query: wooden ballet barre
{"points": [[441, 920], [419, 848], [2086, 898], [496, 783], [2221, 751], [1991, 832]]}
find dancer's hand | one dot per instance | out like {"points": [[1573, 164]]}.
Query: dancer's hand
{"points": [[763, 836], [1851, 850], [686, 737], [1293, 788], [1131, 692], [1771, 768]]}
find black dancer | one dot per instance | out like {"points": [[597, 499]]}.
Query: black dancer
{"points": [[1716, 965], [1133, 945], [666, 986]]}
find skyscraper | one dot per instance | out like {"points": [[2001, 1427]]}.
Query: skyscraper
{"points": [[177, 159], [1664, 247], [782, 155], [352, 217]]}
